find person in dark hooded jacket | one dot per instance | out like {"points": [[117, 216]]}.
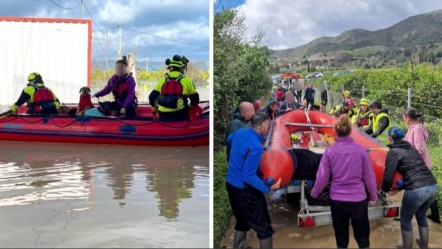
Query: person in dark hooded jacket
{"points": [[271, 109], [381, 122], [240, 120], [420, 186]]}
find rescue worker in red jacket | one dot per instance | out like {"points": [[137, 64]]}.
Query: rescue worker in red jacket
{"points": [[39, 98], [170, 97]]}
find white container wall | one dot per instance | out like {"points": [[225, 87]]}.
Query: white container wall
{"points": [[59, 49]]}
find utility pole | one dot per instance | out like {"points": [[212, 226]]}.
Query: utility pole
{"points": [[82, 8], [119, 45], [106, 36]]}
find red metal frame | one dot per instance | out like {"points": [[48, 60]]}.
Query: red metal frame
{"points": [[61, 20]]}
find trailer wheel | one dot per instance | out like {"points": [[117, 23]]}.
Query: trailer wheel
{"points": [[293, 198]]}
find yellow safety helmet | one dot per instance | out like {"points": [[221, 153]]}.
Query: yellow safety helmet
{"points": [[177, 61], [364, 101], [346, 93], [33, 76]]}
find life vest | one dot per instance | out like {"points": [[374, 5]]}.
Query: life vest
{"points": [[383, 138], [43, 99], [339, 110], [171, 95], [363, 118], [119, 88]]}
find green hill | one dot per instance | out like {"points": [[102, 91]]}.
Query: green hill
{"points": [[419, 35]]}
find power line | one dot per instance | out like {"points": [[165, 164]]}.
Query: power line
{"points": [[66, 8], [95, 23], [159, 37], [93, 20], [217, 5]]}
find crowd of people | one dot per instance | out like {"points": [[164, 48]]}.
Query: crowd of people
{"points": [[345, 166], [174, 97]]}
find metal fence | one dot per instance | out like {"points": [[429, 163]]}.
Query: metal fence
{"points": [[433, 124]]}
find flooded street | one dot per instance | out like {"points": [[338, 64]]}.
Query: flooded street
{"points": [[384, 233], [71, 195]]}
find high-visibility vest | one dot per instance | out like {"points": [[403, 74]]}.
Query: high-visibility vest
{"points": [[383, 137]]}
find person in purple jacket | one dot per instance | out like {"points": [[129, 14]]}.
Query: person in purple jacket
{"points": [[122, 85], [352, 178]]}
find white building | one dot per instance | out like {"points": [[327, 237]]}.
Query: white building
{"points": [[59, 49]]}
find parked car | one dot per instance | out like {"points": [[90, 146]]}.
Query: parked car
{"points": [[315, 75]]}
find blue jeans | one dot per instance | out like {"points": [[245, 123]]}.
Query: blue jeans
{"points": [[416, 202]]}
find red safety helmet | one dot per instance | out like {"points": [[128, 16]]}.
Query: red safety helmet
{"points": [[349, 103]]}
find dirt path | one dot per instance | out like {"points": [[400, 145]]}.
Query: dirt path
{"points": [[384, 233]]}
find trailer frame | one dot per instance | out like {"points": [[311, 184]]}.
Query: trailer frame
{"points": [[310, 216]]}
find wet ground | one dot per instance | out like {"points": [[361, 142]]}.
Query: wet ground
{"points": [[70, 195], [384, 233]]}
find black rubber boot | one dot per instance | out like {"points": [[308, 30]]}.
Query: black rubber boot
{"points": [[424, 237], [266, 243], [434, 216], [239, 240], [407, 240]]}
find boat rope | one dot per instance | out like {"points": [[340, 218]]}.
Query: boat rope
{"points": [[156, 121], [270, 135], [8, 119], [74, 120], [32, 122], [63, 126]]}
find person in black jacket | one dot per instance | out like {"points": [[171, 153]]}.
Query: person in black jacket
{"points": [[289, 104], [324, 100], [309, 96], [380, 123], [420, 186], [271, 109]]}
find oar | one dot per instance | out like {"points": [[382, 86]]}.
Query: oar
{"points": [[309, 125], [384, 149]]}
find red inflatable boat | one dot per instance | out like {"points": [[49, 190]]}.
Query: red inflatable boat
{"points": [[141, 130], [314, 131]]}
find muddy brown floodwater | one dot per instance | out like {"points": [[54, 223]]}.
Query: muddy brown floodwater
{"points": [[69, 195], [384, 233]]}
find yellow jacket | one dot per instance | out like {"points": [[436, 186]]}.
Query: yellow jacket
{"points": [[27, 96], [188, 89]]}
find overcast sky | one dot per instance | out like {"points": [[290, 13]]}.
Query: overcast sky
{"points": [[185, 21], [290, 23]]}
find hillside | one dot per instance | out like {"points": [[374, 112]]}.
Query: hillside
{"points": [[417, 35]]}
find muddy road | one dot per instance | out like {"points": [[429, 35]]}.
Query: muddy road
{"points": [[384, 233]]}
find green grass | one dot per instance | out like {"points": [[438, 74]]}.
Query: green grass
{"points": [[436, 157], [366, 51], [222, 211]]}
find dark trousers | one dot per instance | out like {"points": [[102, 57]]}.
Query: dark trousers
{"points": [[182, 115], [250, 209], [131, 110], [342, 212], [310, 103], [299, 96]]}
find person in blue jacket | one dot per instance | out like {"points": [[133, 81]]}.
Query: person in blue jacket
{"points": [[245, 188]]}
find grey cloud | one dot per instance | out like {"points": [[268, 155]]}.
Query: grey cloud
{"points": [[153, 17], [293, 23]]}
